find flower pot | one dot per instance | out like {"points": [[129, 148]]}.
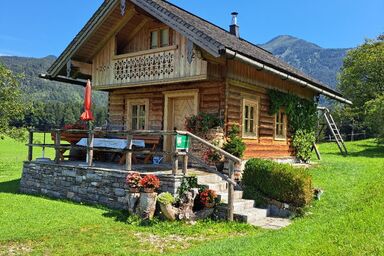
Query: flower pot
{"points": [[147, 205], [133, 201], [134, 190], [168, 211], [149, 190], [210, 205]]}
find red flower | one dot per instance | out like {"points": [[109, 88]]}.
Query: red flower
{"points": [[150, 181], [207, 197], [133, 180]]}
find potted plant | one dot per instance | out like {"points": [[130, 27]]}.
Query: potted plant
{"points": [[133, 180], [235, 146], [147, 203], [213, 157], [202, 123], [150, 183], [208, 198], [166, 201]]}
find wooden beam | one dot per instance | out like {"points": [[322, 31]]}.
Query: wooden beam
{"points": [[30, 148], [83, 68], [138, 28], [131, 12]]}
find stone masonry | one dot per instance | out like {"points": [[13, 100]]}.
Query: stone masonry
{"points": [[84, 184]]}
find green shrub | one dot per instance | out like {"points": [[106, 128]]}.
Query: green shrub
{"points": [[235, 144], [302, 142], [166, 198], [281, 182]]}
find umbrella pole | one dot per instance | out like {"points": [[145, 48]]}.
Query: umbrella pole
{"points": [[90, 144]]}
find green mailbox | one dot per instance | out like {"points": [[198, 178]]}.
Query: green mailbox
{"points": [[182, 142]]}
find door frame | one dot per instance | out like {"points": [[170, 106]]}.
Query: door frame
{"points": [[169, 95]]}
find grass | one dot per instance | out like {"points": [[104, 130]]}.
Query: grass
{"points": [[346, 221]]}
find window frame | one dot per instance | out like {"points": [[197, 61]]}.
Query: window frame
{"points": [[282, 123], [159, 37], [138, 102], [255, 103]]}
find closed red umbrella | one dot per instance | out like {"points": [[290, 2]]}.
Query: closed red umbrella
{"points": [[87, 114]]}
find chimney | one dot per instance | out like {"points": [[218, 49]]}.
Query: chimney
{"points": [[234, 28]]}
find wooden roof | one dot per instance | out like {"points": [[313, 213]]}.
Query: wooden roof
{"points": [[208, 36]]}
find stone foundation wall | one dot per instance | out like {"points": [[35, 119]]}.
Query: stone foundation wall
{"points": [[84, 184]]}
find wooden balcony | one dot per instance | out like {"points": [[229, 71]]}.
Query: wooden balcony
{"points": [[156, 66]]}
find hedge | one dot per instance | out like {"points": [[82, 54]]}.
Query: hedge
{"points": [[281, 182]]}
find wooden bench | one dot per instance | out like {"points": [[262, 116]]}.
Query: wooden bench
{"points": [[151, 143]]}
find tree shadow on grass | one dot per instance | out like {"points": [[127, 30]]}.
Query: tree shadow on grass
{"points": [[11, 187], [368, 151], [124, 217]]}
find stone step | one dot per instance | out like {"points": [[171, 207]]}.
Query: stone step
{"points": [[217, 186], [270, 223], [250, 215], [209, 178], [240, 205], [223, 196]]}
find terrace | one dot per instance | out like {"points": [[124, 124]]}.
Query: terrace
{"points": [[91, 165]]}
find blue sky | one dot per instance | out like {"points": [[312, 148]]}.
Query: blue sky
{"points": [[43, 27]]}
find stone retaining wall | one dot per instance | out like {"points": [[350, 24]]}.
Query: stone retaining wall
{"points": [[84, 184]]}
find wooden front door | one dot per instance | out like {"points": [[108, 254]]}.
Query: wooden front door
{"points": [[178, 106], [182, 107]]}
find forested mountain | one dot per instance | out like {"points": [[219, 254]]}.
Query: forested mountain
{"points": [[54, 104], [320, 63], [39, 89]]}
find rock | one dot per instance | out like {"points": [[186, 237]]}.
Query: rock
{"points": [[119, 192], [203, 214]]}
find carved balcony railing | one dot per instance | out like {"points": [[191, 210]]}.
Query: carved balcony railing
{"points": [[130, 68]]}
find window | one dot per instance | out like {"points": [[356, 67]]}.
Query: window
{"points": [[160, 38], [138, 115], [250, 118], [280, 125]]}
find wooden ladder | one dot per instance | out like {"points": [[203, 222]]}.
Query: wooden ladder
{"points": [[334, 130]]}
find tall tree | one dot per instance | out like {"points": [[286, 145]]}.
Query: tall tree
{"points": [[11, 106], [362, 80]]}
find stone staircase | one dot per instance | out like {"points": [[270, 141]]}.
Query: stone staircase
{"points": [[244, 210]]}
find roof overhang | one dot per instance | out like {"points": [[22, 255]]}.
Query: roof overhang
{"points": [[319, 88], [64, 79]]}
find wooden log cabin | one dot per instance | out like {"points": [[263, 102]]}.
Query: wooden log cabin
{"points": [[161, 64]]}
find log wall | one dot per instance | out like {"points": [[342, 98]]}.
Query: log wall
{"points": [[211, 100], [245, 82]]}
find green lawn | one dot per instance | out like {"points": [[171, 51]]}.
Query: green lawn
{"points": [[346, 221]]}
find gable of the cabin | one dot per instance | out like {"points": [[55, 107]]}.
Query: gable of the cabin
{"points": [[144, 51]]}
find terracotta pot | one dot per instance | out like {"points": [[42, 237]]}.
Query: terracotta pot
{"points": [[147, 205], [134, 190], [149, 190]]}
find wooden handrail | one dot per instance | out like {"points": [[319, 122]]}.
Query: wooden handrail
{"points": [[230, 180], [210, 145]]}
